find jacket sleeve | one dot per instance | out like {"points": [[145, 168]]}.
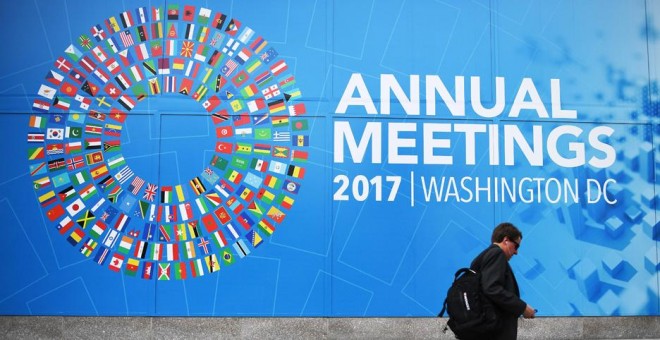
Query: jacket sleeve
{"points": [[493, 283]]}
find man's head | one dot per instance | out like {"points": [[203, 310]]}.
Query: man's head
{"points": [[507, 237]]}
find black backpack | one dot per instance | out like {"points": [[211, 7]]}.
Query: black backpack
{"points": [[471, 314]]}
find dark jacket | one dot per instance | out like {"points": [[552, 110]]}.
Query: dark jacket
{"points": [[499, 284]]}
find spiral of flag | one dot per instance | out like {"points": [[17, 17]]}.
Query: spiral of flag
{"points": [[134, 225]]}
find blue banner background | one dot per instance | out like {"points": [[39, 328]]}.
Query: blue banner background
{"points": [[364, 258]]}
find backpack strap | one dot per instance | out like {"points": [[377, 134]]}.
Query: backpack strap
{"points": [[456, 276]]}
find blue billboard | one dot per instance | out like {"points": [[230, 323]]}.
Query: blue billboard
{"points": [[326, 158]]}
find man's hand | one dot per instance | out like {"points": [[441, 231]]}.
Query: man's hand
{"points": [[529, 312]]}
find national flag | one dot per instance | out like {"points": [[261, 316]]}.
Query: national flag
{"points": [[265, 196], [156, 253], [112, 44], [209, 223], [154, 86], [230, 47], [285, 201], [234, 205], [201, 52], [240, 78], [219, 20], [212, 264], [201, 205], [97, 32], [263, 79], [54, 78], [84, 102], [141, 51], [136, 73], [125, 245], [63, 65], [222, 215], [111, 146], [35, 137], [297, 109], [94, 157], [89, 88], [189, 32], [271, 181], [76, 236], [142, 15], [256, 105], [126, 19], [121, 222], [110, 238], [99, 54], [276, 106], [227, 256], [47, 198], [269, 55], [185, 209], [41, 183], [246, 35], [148, 270], [37, 122], [200, 92], [38, 169], [258, 44], [54, 149], [262, 149], [88, 191], [62, 103], [163, 271], [87, 64], [99, 171], [126, 57], [41, 106], [275, 214], [92, 143], [73, 53], [254, 237], [166, 194], [173, 12], [229, 67], [203, 34], [296, 171], [290, 186], [232, 27], [241, 248], [150, 192], [197, 186], [101, 255], [46, 91], [127, 102], [300, 140], [197, 268], [190, 250], [157, 30], [172, 28], [55, 212], [116, 262], [169, 84], [98, 229], [292, 94], [75, 207], [132, 266], [186, 86], [188, 13], [252, 65], [172, 252]]}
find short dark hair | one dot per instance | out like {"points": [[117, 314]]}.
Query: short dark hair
{"points": [[505, 229]]}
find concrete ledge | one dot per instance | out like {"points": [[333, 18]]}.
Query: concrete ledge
{"points": [[59, 327]]}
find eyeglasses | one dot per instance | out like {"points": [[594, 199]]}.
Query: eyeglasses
{"points": [[516, 244]]}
